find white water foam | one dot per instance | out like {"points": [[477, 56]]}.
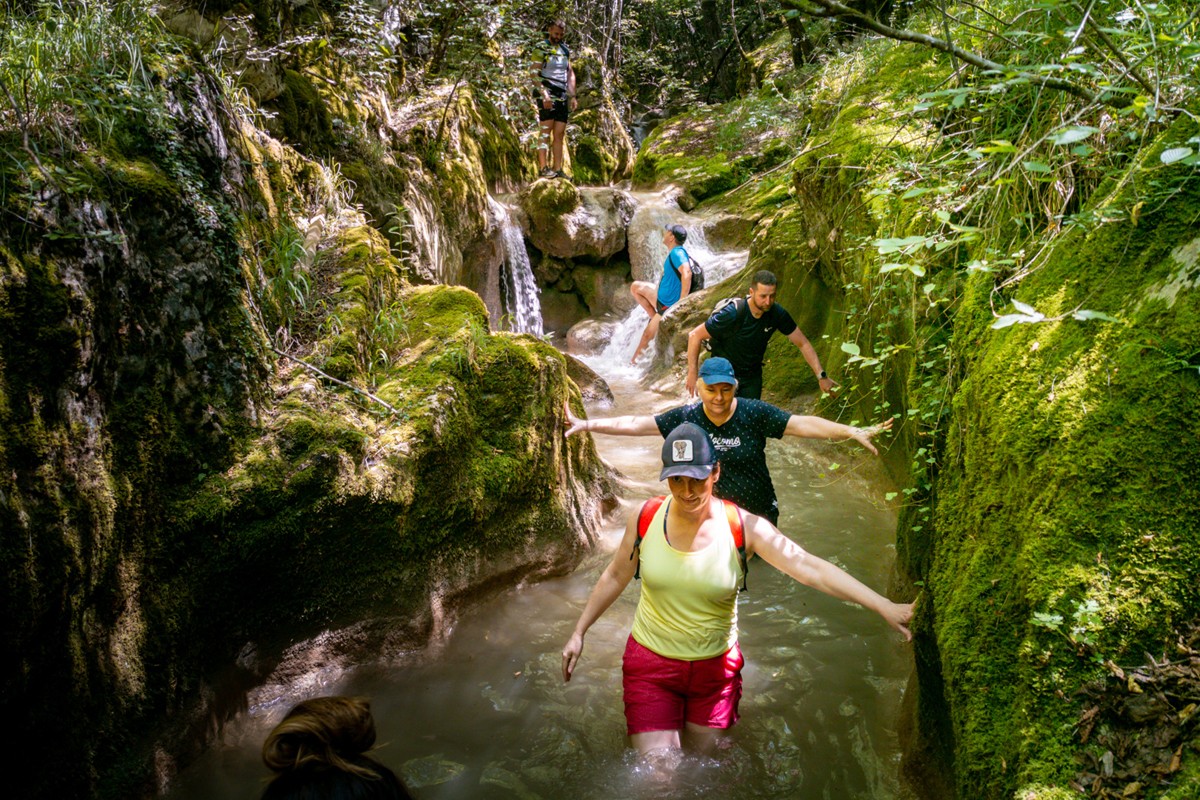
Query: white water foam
{"points": [[519, 292]]}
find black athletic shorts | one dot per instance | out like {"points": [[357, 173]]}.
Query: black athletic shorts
{"points": [[558, 109]]}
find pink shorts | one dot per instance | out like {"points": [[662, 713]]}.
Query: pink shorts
{"points": [[661, 693]]}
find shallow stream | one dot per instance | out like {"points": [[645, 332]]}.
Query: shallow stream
{"points": [[488, 716]]}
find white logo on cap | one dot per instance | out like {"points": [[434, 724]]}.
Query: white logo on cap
{"points": [[683, 450]]}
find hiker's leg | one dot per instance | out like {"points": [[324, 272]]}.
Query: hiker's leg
{"points": [[544, 143], [560, 131], [646, 294], [647, 335]]}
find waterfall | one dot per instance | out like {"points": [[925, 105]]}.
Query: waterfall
{"points": [[654, 210], [518, 290]]}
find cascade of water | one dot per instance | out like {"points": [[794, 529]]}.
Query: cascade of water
{"points": [[654, 210], [519, 290]]}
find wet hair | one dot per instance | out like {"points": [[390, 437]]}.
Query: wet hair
{"points": [[318, 752], [764, 278]]}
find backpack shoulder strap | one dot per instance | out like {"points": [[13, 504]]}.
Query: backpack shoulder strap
{"points": [[649, 509], [737, 528]]}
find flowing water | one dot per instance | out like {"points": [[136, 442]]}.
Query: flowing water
{"points": [[519, 290], [488, 716], [654, 210]]}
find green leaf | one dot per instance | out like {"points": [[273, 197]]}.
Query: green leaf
{"points": [[1052, 621], [1025, 308], [1072, 134], [1035, 166], [916, 191], [890, 496], [1084, 314], [1009, 319], [1083, 150], [851, 348], [1175, 154]]}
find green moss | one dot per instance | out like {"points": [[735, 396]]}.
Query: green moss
{"points": [[303, 117], [591, 162], [1066, 486]]}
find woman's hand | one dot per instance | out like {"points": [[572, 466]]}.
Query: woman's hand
{"points": [[574, 423], [898, 615], [864, 435], [572, 650]]}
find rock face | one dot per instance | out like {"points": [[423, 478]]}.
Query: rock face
{"points": [[600, 149], [569, 222], [184, 494]]}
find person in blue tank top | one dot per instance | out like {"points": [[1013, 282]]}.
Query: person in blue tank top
{"points": [[739, 428], [686, 696], [675, 284]]}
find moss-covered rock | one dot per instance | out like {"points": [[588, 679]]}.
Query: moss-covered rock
{"points": [[175, 492], [714, 149], [599, 149], [568, 222], [1066, 532]]}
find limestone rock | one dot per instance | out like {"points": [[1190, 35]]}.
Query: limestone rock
{"points": [[570, 222], [589, 337], [594, 389], [600, 286], [561, 310]]}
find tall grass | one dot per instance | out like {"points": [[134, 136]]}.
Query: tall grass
{"points": [[75, 71]]}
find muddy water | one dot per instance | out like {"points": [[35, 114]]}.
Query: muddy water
{"points": [[488, 716]]}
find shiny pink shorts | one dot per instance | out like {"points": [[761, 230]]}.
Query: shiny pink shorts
{"points": [[661, 693]]}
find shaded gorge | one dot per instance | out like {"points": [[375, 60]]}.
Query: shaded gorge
{"points": [[486, 714]]}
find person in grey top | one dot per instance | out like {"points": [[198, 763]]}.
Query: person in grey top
{"points": [[555, 96]]}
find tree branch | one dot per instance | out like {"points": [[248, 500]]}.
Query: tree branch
{"points": [[833, 8]]}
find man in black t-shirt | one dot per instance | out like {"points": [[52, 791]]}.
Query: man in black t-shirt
{"points": [[740, 331]]}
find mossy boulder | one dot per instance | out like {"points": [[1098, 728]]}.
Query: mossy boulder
{"points": [[176, 493], [1066, 532], [598, 145], [569, 222]]}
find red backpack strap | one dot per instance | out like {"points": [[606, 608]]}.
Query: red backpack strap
{"points": [[737, 527], [649, 509]]}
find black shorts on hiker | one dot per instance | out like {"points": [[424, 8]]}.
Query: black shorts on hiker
{"points": [[557, 112]]}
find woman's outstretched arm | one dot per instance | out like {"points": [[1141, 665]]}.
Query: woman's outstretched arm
{"points": [[613, 580], [614, 426], [764, 539]]}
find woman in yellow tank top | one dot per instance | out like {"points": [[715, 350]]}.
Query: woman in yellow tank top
{"points": [[682, 666]]}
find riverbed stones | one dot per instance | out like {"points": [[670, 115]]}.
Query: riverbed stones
{"points": [[590, 336]]}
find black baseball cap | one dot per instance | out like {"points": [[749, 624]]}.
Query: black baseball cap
{"points": [[678, 232], [687, 452]]}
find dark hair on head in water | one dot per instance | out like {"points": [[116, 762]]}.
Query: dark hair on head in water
{"points": [[318, 752]]}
